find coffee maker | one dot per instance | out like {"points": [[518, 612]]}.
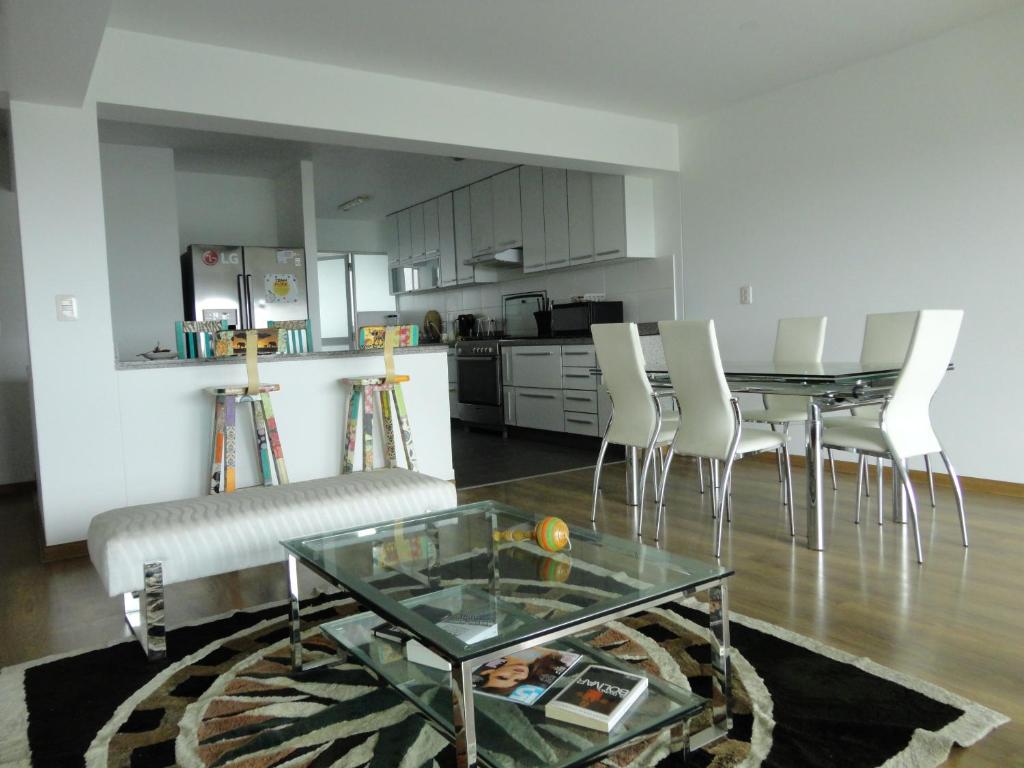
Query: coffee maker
{"points": [[464, 325]]}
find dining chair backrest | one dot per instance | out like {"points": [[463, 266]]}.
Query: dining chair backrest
{"points": [[906, 420], [621, 360], [797, 340], [886, 340], [706, 421]]}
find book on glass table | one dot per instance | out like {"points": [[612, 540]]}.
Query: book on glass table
{"points": [[523, 677], [598, 698]]}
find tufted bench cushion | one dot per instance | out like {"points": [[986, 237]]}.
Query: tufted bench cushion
{"points": [[217, 534]]}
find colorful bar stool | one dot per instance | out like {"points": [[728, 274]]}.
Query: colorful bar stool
{"points": [[382, 388], [268, 441]]}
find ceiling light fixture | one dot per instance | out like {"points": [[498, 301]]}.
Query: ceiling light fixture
{"points": [[358, 200]]}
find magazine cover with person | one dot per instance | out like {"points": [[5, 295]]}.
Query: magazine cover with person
{"points": [[525, 676]]}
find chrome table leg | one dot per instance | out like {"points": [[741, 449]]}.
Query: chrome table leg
{"points": [[144, 612], [815, 507], [721, 670], [293, 613], [464, 719]]}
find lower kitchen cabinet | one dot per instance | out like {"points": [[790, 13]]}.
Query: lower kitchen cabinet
{"points": [[510, 406], [538, 408], [580, 400], [581, 423]]}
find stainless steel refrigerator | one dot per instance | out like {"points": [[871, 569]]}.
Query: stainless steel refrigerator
{"points": [[245, 285]]}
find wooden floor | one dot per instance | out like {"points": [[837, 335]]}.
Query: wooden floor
{"points": [[957, 621]]}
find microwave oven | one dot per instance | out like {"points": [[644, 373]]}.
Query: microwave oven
{"points": [[576, 318]]}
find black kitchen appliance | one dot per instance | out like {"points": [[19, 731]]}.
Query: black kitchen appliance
{"points": [[480, 386], [465, 325], [575, 319]]}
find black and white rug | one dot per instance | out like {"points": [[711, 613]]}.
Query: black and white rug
{"points": [[226, 697]]}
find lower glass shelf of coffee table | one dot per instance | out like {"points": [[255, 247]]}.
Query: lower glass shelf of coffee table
{"points": [[510, 734]]}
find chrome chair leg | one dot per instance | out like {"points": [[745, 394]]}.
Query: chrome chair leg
{"points": [[778, 457], [881, 482], [789, 488], [648, 457], [714, 488], [863, 469], [700, 474], [832, 467], [597, 478], [861, 466], [959, 493], [900, 465], [726, 479], [931, 480], [661, 493]]}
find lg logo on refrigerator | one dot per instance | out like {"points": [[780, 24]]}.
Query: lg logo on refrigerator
{"points": [[212, 258]]}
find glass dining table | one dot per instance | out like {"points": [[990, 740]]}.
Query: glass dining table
{"points": [[827, 387]]}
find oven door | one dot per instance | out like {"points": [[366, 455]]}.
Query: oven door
{"points": [[480, 380]]}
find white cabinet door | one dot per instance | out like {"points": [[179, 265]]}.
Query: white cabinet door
{"points": [[556, 217], [431, 228], [481, 206], [539, 408], [463, 235], [609, 216], [391, 238], [581, 217], [581, 423], [535, 366], [508, 210], [404, 236], [416, 230], [446, 240], [532, 192]]}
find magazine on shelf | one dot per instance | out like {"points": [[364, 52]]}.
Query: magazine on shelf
{"points": [[598, 698], [523, 677]]}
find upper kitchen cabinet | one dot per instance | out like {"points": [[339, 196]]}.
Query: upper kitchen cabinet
{"points": [[431, 230], [508, 210], [623, 216], [391, 239], [419, 247], [581, 217], [464, 251], [556, 218], [404, 236], [446, 241], [481, 206], [532, 193]]}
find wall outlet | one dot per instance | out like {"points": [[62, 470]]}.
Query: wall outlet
{"points": [[67, 308], [746, 294]]}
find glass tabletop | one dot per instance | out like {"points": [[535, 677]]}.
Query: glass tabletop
{"points": [[839, 373], [468, 589]]}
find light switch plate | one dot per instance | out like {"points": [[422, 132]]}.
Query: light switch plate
{"points": [[67, 308], [746, 294]]}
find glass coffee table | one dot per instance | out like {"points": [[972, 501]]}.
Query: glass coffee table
{"points": [[410, 572]]}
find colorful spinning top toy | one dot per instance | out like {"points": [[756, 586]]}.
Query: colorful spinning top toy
{"points": [[551, 534]]}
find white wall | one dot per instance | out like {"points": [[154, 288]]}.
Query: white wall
{"points": [[63, 244], [141, 212], [894, 184], [16, 454], [219, 209], [351, 235]]}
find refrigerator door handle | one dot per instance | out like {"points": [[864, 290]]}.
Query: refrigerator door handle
{"points": [[249, 301], [242, 303]]}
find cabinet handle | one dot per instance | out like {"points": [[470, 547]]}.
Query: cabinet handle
{"points": [[567, 352], [576, 375], [532, 394], [581, 399], [531, 354], [582, 257], [579, 421], [608, 253], [556, 261]]}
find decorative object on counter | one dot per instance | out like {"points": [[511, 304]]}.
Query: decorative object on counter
{"points": [[372, 336], [551, 534], [269, 453], [432, 326], [296, 336], [266, 341], [197, 338], [364, 390], [157, 353]]}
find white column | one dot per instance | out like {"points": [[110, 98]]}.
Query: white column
{"points": [[312, 249], [63, 243]]}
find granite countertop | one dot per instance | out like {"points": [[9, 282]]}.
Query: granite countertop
{"points": [[142, 364], [557, 340], [647, 329]]}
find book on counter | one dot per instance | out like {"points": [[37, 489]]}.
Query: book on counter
{"points": [[598, 698], [524, 677]]}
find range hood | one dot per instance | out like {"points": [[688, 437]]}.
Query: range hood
{"points": [[510, 257]]}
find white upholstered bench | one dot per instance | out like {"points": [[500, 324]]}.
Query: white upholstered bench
{"points": [[139, 550]]}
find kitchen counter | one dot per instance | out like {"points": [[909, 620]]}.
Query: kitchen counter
{"points": [[143, 364]]}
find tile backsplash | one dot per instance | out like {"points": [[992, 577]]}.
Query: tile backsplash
{"points": [[644, 288]]}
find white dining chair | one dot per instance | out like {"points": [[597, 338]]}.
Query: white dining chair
{"points": [[903, 427], [797, 340], [641, 417], [710, 424]]}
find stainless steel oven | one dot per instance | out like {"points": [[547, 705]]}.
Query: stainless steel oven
{"points": [[479, 377]]}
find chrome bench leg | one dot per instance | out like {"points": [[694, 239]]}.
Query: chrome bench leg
{"points": [[146, 621]]}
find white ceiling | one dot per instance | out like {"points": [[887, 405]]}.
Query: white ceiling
{"points": [[660, 58], [394, 180]]}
